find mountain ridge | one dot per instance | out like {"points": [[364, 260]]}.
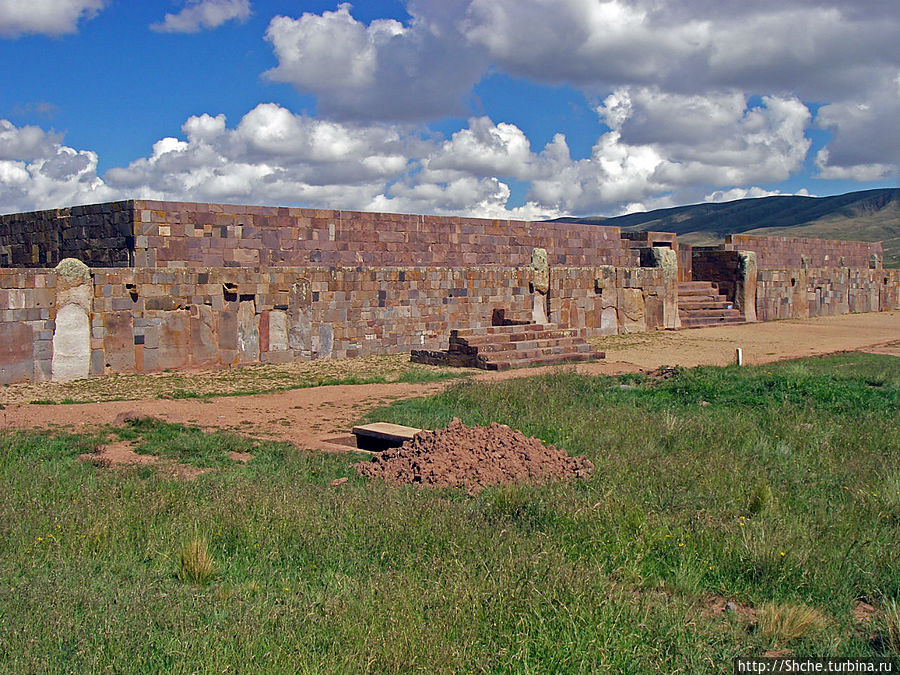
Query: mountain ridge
{"points": [[867, 215]]}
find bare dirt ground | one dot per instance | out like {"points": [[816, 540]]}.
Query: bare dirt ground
{"points": [[312, 417]]}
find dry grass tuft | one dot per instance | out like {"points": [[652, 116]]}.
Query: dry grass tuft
{"points": [[891, 626], [197, 564], [783, 623]]}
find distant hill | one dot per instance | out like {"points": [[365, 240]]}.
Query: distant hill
{"points": [[870, 215]]}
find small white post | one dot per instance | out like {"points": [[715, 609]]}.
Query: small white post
{"points": [[739, 356]]}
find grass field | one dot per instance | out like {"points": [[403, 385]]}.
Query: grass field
{"points": [[774, 487]]}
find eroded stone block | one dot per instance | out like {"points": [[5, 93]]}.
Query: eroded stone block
{"points": [[71, 344]]}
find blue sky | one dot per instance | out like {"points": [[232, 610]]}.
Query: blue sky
{"points": [[496, 108]]}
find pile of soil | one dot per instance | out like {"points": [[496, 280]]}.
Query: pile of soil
{"points": [[473, 458]]}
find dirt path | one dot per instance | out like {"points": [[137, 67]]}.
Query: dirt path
{"points": [[313, 417]]}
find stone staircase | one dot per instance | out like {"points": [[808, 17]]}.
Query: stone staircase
{"points": [[516, 346], [700, 304]]}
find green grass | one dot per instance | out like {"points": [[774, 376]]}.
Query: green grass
{"points": [[775, 486]]}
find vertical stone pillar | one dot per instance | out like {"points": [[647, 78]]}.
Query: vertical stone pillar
{"points": [[745, 285], [606, 299], [300, 318], [72, 333], [667, 260], [540, 312], [248, 332]]}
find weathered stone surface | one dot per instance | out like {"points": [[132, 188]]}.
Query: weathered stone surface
{"points": [[324, 344], [653, 312], [539, 313], [631, 310], [609, 324], [541, 270], [248, 332], [72, 272], [204, 337], [16, 359], [71, 344], [118, 342], [278, 331], [174, 340], [745, 293], [300, 318], [227, 325], [666, 259], [74, 285]]}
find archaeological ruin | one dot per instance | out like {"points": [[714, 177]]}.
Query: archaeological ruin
{"points": [[144, 286]]}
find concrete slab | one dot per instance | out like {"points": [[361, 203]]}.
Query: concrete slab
{"points": [[382, 435]]}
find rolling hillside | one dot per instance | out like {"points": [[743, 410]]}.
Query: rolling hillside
{"points": [[871, 215]]}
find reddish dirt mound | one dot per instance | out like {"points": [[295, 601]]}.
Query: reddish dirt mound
{"points": [[473, 458]]}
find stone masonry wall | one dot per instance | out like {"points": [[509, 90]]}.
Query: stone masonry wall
{"points": [[785, 253], [150, 319], [98, 235], [173, 234], [27, 322], [801, 293]]}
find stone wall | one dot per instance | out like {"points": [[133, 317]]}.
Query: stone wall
{"points": [[27, 322], [785, 253], [98, 235], [172, 234], [177, 285], [801, 293], [151, 319]]}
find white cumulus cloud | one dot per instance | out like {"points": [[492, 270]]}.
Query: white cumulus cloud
{"points": [[45, 17], [385, 70], [200, 15], [675, 78], [271, 156], [38, 172]]}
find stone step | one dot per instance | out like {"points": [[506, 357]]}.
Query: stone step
{"points": [[521, 333], [545, 361], [501, 330], [506, 345], [695, 285], [703, 322], [536, 352], [502, 347], [712, 313], [683, 301], [694, 292], [693, 304]]}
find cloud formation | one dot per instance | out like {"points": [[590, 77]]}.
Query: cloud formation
{"points": [[38, 172], [201, 15], [687, 69], [695, 100], [381, 71], [45, 17]]}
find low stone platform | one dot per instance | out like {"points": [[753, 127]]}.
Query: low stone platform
{"points": [[515, 346], [382, 435]]}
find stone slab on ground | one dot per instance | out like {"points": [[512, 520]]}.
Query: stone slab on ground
{"points": [[380, 436]]}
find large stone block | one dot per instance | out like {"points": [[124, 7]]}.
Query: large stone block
{"points": [[204, 337], [174, 340], [71, 344], [248, 332], [16, 352], [278, 331], [631, 310], [118, 342], [746, 285]]}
